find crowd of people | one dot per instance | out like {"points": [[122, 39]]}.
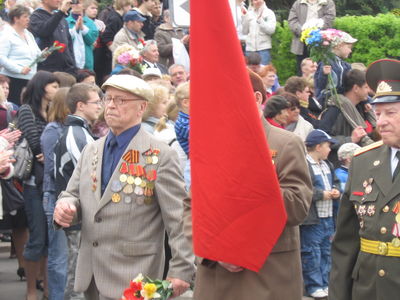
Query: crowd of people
{"points": [[107, 120]]}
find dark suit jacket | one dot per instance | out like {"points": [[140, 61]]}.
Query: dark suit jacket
{"points": [[161, 67]]}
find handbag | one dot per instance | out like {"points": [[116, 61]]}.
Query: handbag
{"points": [[23, 160], [22, 154]]}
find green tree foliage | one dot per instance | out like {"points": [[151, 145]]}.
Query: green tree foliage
{"points": [[378, 37]]}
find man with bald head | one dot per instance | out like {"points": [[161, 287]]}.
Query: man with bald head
{"points": [[126, 190]]}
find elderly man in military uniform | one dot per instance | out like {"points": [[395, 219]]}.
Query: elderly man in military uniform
{"points": [[366, 247], [127, 190]]}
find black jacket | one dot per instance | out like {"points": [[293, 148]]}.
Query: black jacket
{"points": [[48, 28]]}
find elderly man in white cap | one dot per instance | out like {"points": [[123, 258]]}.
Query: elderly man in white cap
{"points": [[126, 190]]}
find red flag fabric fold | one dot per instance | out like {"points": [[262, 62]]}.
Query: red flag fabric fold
{"points": [[238, 211]]}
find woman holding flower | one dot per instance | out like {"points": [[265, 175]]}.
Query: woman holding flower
{"points": [[18, 49]]}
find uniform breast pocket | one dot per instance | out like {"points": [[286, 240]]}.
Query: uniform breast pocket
{"points": [[364, 204]]}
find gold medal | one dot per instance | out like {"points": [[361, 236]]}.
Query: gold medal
{"points": [[138, 181], [115, 198], [128, 189], [130, 180], [123, 178], [149, 160], [148, 200], [396, 242], [154, 159]]}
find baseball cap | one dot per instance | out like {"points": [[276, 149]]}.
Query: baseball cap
{"points": [[318, 136], [133, 15]]}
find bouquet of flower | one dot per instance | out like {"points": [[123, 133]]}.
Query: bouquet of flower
{"points": [[321, 44], [140, 45], [57, 46], [132, 59], [144, 288]]}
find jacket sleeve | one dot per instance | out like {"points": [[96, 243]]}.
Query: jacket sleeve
{"points": [[268, 23], [329, 14], [164, 44], [345, 247], [112, 27], [293, 20], [5, 49], [45, 28], [91, 36], [27, 125], [294, 180], [246, 19]]}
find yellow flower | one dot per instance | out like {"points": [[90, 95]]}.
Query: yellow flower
{"points": [[149, 291], [305, 34]]}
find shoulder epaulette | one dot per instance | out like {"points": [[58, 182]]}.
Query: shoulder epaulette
{"points": [[367, 148]]}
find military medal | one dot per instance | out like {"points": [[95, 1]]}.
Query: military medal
{"points": [[131, 156], [138, 191], [396, 233], [368, 189], [127, 199], [362, 210], [130, 180], [370, 180], [154, 157], [140, 200], [377, 162], [365, 183], [116, 186], [116, 198], [123, 178], [361, 223], [128, 189], [371, 210]]}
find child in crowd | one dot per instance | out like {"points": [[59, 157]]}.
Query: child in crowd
{"points": [[345, 155], [182, 123], [338, 67], [317, 230]]}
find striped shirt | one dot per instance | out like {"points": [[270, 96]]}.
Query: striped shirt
{"points": [[323, 180], [182, 131]]}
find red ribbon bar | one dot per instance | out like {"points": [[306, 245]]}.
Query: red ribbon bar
{"points": [[358, 193]]}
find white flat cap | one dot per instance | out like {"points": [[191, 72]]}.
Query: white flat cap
{"points": [[130, 84]]}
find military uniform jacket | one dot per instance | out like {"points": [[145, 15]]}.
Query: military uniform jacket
{"points": [[280, 278], [366, 211], [121, 239]]}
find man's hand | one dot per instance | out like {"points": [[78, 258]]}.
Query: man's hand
{"points": [[65, 6], [357, 134], [179, 286], [40, 158], [64, 213], [335, 193], [230, 267], [326, 69]]}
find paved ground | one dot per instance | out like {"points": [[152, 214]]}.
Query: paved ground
{"points": [[11, 288]]}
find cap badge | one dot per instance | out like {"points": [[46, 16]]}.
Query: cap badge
{"points": [[384, 87]]}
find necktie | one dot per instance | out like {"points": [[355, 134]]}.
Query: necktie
{"points": [[397, 170], [109, 161]]}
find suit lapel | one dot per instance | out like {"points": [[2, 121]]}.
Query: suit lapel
{"points": [[99, 165], [141, 143]]}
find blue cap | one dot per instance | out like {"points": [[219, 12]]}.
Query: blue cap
{"points": [[318, 136], [133, 15]]}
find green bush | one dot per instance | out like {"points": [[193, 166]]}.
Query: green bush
{"points": [[378, 37]]}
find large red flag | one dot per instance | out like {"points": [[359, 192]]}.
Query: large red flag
{"points": [[238, 211]]}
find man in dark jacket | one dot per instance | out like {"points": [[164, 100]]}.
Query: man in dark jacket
{"points": [[48, 24]]}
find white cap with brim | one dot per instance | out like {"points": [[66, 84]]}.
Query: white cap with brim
{"points": [[347, 38], [130, 84], [151, 72]]}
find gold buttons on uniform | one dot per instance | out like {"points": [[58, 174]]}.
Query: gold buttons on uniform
{"points": [[383, 230], [381, 273], [385, 209]]}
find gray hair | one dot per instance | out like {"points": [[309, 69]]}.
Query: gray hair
{"points": [[147, 46], [347, 150], [174, 66]]}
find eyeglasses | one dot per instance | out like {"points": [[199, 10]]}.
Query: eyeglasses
{"points": [[98, 102], [118, 100]]}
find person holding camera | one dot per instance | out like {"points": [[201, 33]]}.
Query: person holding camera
{"points": [[48, 24]]}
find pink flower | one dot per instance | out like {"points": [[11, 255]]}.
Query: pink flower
{"points": [[325, 43], [124, 58]]}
